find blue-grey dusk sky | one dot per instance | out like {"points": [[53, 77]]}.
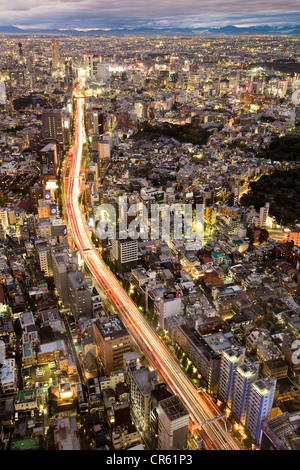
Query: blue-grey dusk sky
{"points": [[89, 14]]}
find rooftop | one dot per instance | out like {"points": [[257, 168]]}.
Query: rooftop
{"points": [[173, 407]]}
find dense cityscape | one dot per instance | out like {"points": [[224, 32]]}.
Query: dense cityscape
{"points": [[181, 340]]}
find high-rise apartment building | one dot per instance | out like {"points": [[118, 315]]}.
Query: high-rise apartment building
{"points": [[260, 402], [230, 359], [264, 214], [245, 375]]}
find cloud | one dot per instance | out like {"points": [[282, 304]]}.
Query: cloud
{"points": [[103, 13]]}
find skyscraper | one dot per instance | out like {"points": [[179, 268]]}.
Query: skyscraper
{"points": [[55, 54], [68, 73], [20, 48], [98, 120]]}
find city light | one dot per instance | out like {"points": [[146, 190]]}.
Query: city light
{"points": [[150, 235]]}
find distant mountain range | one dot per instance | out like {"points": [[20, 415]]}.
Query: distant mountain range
{"points": [[230, 30]]}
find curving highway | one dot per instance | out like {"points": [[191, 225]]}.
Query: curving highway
{"points": [[199, 404]]}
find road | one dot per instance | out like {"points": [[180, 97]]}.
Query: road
{"points": [[199, 405]]}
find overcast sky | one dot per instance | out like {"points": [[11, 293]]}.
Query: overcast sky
{"points": [[118, 13]]}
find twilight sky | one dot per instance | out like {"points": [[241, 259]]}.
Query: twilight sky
{"points": [[88, 14]]}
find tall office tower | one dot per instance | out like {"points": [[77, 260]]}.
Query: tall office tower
{"points": [[62, 264], [103, 72], [79, 295], [263, 214], [20, 49], [112, 340], [2, 92], [245, 375], [260, 402], [55, 54], [230, 359], [68, 73], [91, 62], [98, 120], [142, 382], [52, 124], [173, 424]]}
